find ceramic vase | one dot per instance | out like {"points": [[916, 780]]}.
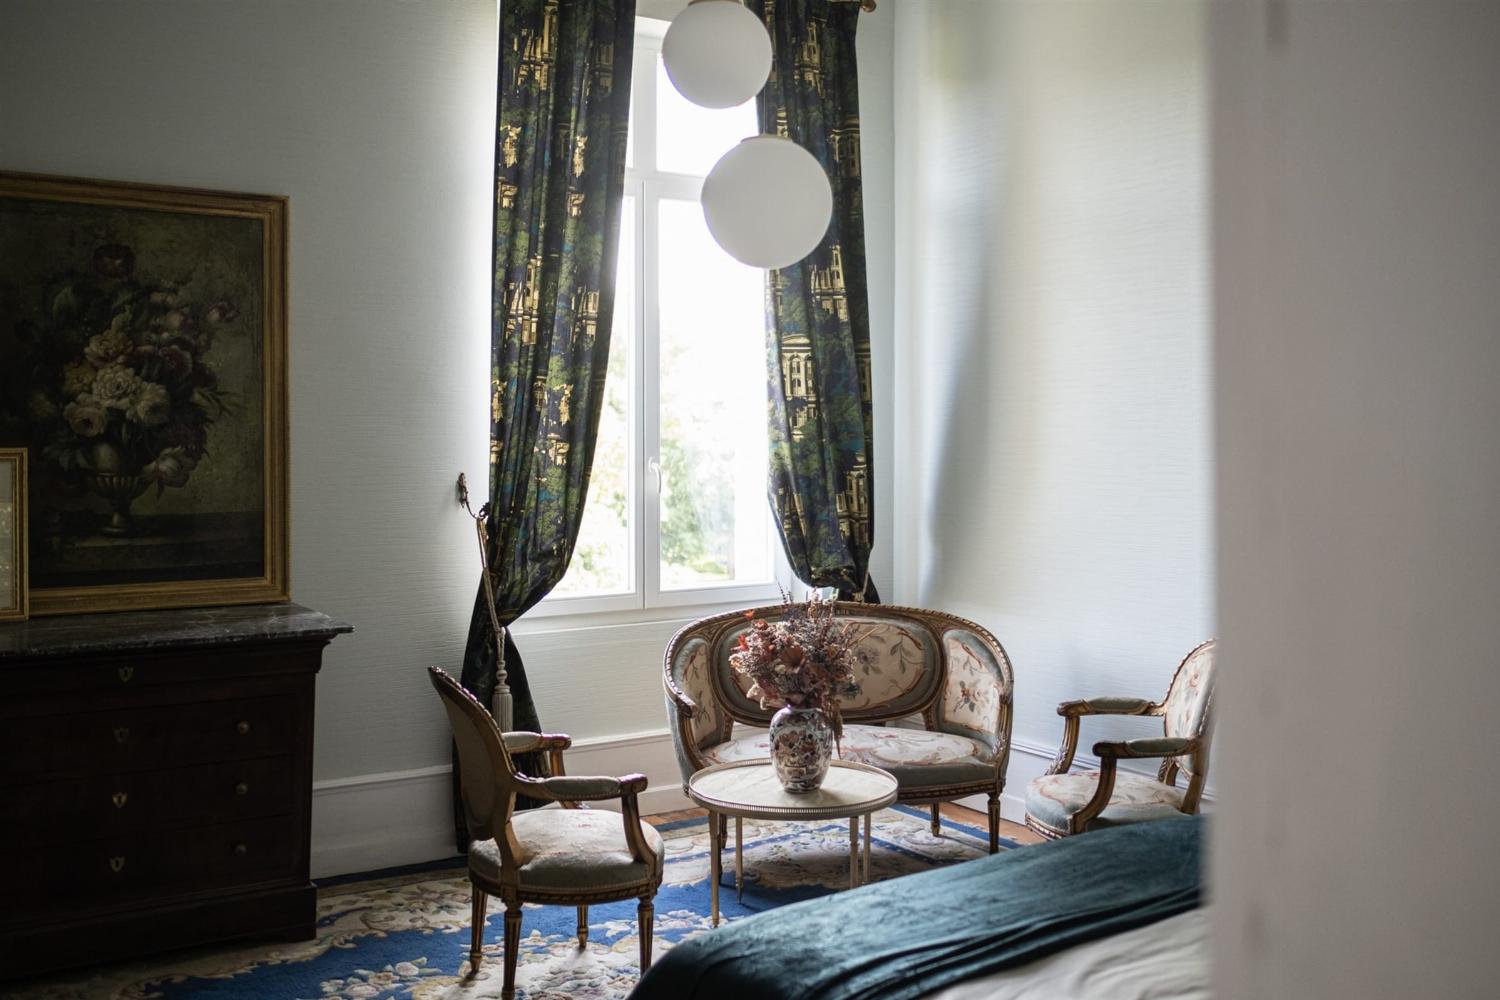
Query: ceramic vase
{"points": [[801, 744]]}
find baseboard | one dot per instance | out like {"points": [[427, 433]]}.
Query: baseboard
{"points": [[381, 820], [373, 821]]}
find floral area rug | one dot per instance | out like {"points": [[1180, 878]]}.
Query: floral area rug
{"points": [[405, 934]]}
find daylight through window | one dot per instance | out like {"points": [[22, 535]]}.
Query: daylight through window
{"points": [[676, 511]]}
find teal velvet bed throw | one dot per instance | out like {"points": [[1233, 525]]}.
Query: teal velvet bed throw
{"points": [[911, 936]]}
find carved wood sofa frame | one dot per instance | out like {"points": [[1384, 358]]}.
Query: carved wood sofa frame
{"points": [[702, 711]]}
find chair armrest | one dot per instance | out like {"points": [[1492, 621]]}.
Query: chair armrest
{"points": [[524, 742], [1110, 753], [1072, 711], [589, 789], [569, 791], [1106, 706], [553, 744], [1155, 746]]}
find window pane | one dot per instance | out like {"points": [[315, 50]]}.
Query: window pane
{"points": [[601, 559], [690, 139], [714, 522]]}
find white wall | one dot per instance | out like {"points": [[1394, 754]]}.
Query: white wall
{"points": [[1357, 218], [1053, 452], [377, 119]]}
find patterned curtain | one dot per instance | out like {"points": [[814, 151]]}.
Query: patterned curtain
{"points": [[818, 339], [563, 105]]}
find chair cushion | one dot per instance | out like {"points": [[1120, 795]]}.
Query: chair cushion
{"points": [[917, 758], [570, 849], [1053, 798]]}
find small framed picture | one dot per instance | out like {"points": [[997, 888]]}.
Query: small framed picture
{"points": [[13, 595]]}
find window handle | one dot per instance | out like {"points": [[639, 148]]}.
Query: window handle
{"points": [[654, 467]]}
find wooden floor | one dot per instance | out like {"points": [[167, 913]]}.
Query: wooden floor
{"points": [[957, 813]]}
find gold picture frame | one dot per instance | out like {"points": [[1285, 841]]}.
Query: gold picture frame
{"points": [[149, 328], [14, 603]]}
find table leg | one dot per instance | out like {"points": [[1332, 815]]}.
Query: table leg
{"points": [[713, 868], [739, 859], [853, 851], [868, 821]]}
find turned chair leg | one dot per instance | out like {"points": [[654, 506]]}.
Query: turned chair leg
{"points": [[583, 927], [512, 947], [994, 810], [937, 819], [476, 931], [645, 919]]}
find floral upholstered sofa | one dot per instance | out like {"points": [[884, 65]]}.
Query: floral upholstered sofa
{"points": [[948, 672]]}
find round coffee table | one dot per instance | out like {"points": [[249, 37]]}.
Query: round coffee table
{"points": [[749, 789]]}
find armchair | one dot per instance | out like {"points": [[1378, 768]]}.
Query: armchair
{"points": [[573, 855], [1060, 804]]}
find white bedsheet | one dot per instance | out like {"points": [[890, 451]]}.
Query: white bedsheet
{"points": [[1167, 959]]}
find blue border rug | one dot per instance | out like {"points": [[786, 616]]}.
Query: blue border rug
{"points": [[403, 933]]}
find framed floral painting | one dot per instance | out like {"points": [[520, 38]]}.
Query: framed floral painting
{"points": [[143, 332]]}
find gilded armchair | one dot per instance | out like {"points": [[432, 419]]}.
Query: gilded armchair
{"points": [[574, 855], [1060, 804]]}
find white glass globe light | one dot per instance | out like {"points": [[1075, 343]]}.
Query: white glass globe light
{"points": [[717, 53], [767, 202]]}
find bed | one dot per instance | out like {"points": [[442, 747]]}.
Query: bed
{"points": [[1114, 913]]}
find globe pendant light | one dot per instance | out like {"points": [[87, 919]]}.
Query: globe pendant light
{"points": [[767, 202], [717, 53]]}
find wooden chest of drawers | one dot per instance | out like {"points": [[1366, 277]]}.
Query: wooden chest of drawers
{"points": [[155, 781]]}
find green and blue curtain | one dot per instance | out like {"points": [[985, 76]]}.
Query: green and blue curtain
{"points": [[563, 105], [818, 320]]}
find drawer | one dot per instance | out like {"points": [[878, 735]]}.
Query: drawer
{"points": [[142, 865], [146, 671], [64, 811], [151, 738]]}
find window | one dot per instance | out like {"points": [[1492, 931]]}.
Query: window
{"points": [[677, 511]]}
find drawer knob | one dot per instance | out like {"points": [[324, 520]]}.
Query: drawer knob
{"points": [[240, 850], [117, 864], [243, 728], [122, 733], [242, 789], [119, 799], [125, 674]]}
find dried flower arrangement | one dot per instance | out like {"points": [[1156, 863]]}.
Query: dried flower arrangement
{"points": [[805, 659]]}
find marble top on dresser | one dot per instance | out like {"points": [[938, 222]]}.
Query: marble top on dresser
{"points": [[68, 635]]}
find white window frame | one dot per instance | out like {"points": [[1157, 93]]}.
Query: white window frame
{"points": [[645, 188]]}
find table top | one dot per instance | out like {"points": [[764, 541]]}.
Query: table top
{"points": [[750, 789], [72, 635]]}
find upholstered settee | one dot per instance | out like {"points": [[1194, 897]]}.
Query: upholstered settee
{"points": [[948, 672]]}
